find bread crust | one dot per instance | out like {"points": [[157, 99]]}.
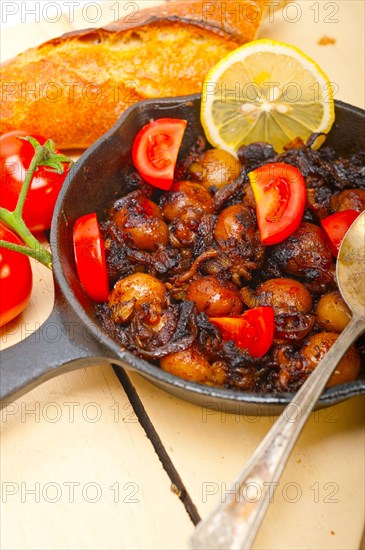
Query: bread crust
{"points": [[73, 88]]}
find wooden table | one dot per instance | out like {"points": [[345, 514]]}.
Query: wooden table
{"points": [[77, 469]]}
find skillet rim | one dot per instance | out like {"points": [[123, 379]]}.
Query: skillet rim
{"points": [[185, 389]]}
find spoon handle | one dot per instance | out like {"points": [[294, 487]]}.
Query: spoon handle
{"points": [[236, 520]]}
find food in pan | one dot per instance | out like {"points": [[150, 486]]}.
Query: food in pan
{"points": [[203, 297], [74, 88]]}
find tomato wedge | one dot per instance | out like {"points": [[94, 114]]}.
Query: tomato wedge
{"points": [[253, 330], [336, 227], [90, 257], [155, 150], [280, 195]]}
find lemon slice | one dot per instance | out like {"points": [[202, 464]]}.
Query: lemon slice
{"points": [[265, 91]]}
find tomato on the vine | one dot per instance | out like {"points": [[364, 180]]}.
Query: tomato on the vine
{"points": [[90, 257], [155, 150], [253, 330], [280, 195], [15, 158], [15, 278]]}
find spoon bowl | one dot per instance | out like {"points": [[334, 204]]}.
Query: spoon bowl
{"points": [[235, 522], [350, 268]]}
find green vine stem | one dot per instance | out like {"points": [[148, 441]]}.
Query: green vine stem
{"points": [[45, 155]]}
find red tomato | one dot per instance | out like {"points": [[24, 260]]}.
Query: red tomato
{"points": [[253, 330], [155, 150], [280, 195], [15, 278], [337, 225], [90, 257], [15, 158]]}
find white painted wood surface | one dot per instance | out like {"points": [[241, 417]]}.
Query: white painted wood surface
{"points": [[75, 441]]}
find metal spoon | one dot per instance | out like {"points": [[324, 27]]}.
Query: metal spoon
{"points": [[235, 522]]}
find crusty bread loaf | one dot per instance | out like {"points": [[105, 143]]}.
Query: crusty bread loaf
{"points": [[73, 88]]}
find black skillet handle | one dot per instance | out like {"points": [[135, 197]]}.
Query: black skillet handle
{"points": [[61, 344]]}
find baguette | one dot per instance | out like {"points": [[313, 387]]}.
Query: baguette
{"points": [[74, 88]]}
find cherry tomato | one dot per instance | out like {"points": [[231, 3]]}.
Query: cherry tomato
{"points": [[337, 225], [90, 257], [15, 158], [155, 150], [15, 278], [280, 195], [253, 330]]}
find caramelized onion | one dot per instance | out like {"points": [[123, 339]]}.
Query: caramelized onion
{"points": [[293, 326], [183, 337], [202, 258]]}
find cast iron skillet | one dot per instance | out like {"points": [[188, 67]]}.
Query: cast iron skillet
{"points": [[71, 338]]}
